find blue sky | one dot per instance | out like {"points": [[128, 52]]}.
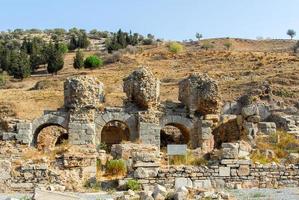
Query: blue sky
{"points": [[168, 19]]}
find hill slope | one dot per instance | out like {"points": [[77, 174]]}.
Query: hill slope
{"points": [[247, 65]]}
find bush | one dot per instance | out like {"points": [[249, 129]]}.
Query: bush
{"points": [[93, 62], [147, 41], [113, 58], [116, 167], [175, 47], [78, 60], [133, 185]]}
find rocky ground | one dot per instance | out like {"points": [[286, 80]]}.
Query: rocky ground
{"points": [[242, 194]]}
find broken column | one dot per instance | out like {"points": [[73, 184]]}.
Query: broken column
{"points": [[200, 94], [82, 95], [142, 88]]}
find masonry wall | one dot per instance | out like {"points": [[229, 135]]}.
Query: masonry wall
{"points": [[229, 174]]}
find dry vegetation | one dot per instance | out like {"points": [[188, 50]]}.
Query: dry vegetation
{"points": [[246, 65], [281, 143]]}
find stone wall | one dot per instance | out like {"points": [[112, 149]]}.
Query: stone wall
{"points": [[228, 174]]}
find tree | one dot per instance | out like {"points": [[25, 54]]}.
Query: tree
{"points": [[78, 60], [227, 45], [93, 62], [20, 66], [55, 59], [73, 43], [291, 33], [198, 36]]}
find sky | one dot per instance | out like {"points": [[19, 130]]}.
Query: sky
{"points": [[167, 19]]}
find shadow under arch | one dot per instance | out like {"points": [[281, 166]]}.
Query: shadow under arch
{"points": [[115, 132], [168, 136]]}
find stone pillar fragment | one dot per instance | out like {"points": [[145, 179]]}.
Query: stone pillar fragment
{"points": [[142, 88], [200, 94]]}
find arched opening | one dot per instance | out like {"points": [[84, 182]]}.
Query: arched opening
{"points": [[48, 136], [174, 133], [226, 132], [114, 132]]}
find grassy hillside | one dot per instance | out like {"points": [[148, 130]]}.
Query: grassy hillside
{"points": [[246, 65]]}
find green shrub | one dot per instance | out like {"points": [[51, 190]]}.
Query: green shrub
{"points": [[133, 185], [116, 167], [175, 47], [93, 62], [78, 60]]}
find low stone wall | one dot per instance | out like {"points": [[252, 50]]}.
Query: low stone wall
{"points": [[228, 174]]}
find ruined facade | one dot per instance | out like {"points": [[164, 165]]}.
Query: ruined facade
{"points": [[205, 125], [202, 121]]}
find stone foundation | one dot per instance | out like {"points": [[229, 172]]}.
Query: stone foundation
{"points": [[229, 174]]}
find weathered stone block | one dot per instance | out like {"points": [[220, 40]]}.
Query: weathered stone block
{"points": [[243, 170], [142, 172], [183, 182], [202, 184], [224, 171]]}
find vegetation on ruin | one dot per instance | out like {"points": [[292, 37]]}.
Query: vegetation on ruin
{"points": [[281, 143], [134, 185], [116, 167], [190, 159]]}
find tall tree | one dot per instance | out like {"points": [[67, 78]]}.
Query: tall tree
{"points": [[79, 60], [55, 59]]}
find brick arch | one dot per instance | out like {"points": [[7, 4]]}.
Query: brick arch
{"points": [[45, 121], [103, 118], [185, 125]]}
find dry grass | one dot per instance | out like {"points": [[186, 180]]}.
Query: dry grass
{"points": [[281, 143], [190, 159], [247, 65]]}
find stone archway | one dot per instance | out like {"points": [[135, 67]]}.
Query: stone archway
{"points": [[174, 134], [179, 130], [114, 132], [227, 132], [104, 118], [46, 121], [50, 136]]}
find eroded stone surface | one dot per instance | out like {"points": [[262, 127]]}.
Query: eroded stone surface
{"points": [[200, 93], [142, 88]]}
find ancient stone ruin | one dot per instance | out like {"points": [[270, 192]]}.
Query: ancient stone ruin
{"points": [[207, 125]]}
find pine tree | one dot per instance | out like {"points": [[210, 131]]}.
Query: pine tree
{"points": [[78, 60], [55, 59], [20, 66]]}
